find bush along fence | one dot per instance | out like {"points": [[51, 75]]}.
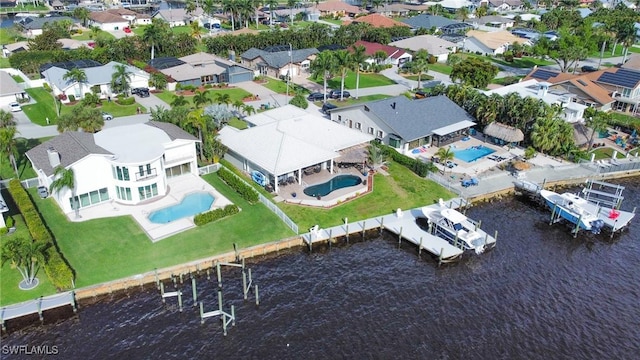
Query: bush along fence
{"points": [[415, 165], [56, 267], [245, 190], [217, 214]]}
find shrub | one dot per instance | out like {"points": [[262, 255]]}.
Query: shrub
{"points": [[246, 191], [10, 222], [46, 87], [299, 101], [126, 101], [72, 98], [417, 166], [217, 214], [57, 269]]}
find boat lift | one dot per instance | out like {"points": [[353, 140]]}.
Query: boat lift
{"points": [[612, 199]]}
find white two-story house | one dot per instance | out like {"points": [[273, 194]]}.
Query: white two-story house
{"points": [[127, 164]]}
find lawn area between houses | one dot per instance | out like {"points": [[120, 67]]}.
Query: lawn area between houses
{"points": [[4, 63], [234, 93], [366, 80], [606, 153], [352, 100], [112, 248], [280, 86], [401, 189], [441, 68], [24, 165]]}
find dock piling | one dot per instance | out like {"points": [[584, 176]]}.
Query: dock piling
{"points": [[73, 302], [577, 228], [194, 291], [40, 309], [180, 300], [219, 274], [162, 292], [235, 250], [400, 236], [244, 284], [257, 296], [420, 247], [364, 226], [201, 313], [495, 236], [381, 224], [157, 278]]}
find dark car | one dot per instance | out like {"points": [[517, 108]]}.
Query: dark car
{"points": [[335, 94], [588, 68], [43, 192], [142, 92], [327, 107], [316, 96]]}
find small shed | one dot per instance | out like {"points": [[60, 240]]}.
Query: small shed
{"points": [[503, 134]]}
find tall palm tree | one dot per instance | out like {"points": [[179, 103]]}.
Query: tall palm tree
{"points": [[257, 4], [231, 7], [76, 76], [358, 56], [198, 120], [543, 133], [201, 98], [324, 65], [599, 122], [26, 256], [65, 179], [82, 13], [292, 4], [445, 154], [463, 13], [343, 64], [155, 33], [121, 79], [271, 4], [196, 30]]}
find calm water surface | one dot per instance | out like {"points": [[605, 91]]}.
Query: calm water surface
{"points": [[541, 294]]}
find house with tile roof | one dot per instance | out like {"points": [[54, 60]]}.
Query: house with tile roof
{"points": [[582, 86], [98, 77], [491, 43], [126, 164], [286, 140], [10, 90], [338, 8], [107, 21], [379, 21], [134, 18], [201, 69], [405, 124], [434, 45], [395, 55], [277, 61]]}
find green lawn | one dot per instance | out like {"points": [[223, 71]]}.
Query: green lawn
{"points": [[424, 77], [238, 124], [619, 52], [280, 86], [139, 30], [87, 36], [9, 36], [235, 94], [507, 80], [24, 165], [352, 100], [606, 153], [402, 189], [106, 249], [4, 63], [333, 21], [17, 78], [10, 278], [441, 68], [626, 120], [366, 80]]}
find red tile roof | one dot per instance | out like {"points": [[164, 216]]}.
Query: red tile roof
{"points": [[377, 20], [331, 6], [372, 48]]}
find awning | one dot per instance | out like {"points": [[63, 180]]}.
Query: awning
{"points": [[504, 132], [357, 155], [453, 127]]}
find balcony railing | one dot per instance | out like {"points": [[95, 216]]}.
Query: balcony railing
{"points": [[149, 173]]}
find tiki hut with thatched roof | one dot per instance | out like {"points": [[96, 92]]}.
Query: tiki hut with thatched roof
{"points": [[503, 134]]}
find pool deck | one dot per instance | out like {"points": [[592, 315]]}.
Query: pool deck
{"points": [[178, 187]]}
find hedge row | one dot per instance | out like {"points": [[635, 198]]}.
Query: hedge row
{"points": [[58, 270], [216, 214], [415, 165], [246, 191]]}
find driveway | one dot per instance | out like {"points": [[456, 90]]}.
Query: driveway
{"points": [[151, 102]]}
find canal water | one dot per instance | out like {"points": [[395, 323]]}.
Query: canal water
{"points": [[540, 294]]}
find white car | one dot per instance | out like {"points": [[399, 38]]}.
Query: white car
{"points": [[14, 106]]}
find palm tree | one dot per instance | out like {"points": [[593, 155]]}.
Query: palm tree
{"points": [[198, 120], [257, 4], [436, 9], [6, 119], [323, 65], [248, 109], [375, 156], [444, 154], [482, 11], [179, 101], [155, 33], [358, 56], [343, 63], [201, 98], [222, 98], [76, 76], [238, 104], [196, 30], [292, 4], [543, 133], [379, 56], [26, 256], [82, 13], [8, 146], [121, 79], [65, 179], [599, 122], [271, 4], [231, 6], [158, 80], [463, 13]]}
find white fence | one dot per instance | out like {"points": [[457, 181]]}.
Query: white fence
{"points": [[268, 203], [27, 184]]}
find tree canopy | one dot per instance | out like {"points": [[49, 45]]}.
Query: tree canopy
{"points": [[474, 72]]}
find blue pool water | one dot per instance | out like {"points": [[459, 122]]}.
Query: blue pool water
{"points": [[338, 182], [190, 205], [472, 153]]}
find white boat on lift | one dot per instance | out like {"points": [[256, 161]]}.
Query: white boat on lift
{"points": [[457, 229], [574, 209]]}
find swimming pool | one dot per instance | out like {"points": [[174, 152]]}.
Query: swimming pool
{"points": [[190, 205], [472, 153], [338, 182]]}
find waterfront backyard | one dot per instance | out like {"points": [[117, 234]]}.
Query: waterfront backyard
{"points": [[106, 249]]}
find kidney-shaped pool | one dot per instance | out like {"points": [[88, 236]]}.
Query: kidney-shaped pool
{"points": [[190, 205], [338, 182]]}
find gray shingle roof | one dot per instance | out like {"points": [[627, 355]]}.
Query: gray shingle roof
{"points": [[98, 75], [428, 21], [71, 145], [8, 86], [38, 23], [279, 59], [413, 119], [172, 130]]}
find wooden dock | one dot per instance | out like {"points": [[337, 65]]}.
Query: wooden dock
{"points": [[37, 306], [401, 223]]}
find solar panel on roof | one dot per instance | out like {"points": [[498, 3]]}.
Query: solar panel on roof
{"points": [[165, 62], [623, 77], [69, 65], [543, 74], [276, 48]]}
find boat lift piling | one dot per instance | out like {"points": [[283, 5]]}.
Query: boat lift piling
{"points": [[165, 295], [226, 318]]}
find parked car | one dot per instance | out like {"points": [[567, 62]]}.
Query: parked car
{"points": [[450, 164], [588, 68], [335, 94], [316, 96], [127, 30], [14, 106], [43, 192], [142, 92], [420, 95], [327, 107], [106, 116]]}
